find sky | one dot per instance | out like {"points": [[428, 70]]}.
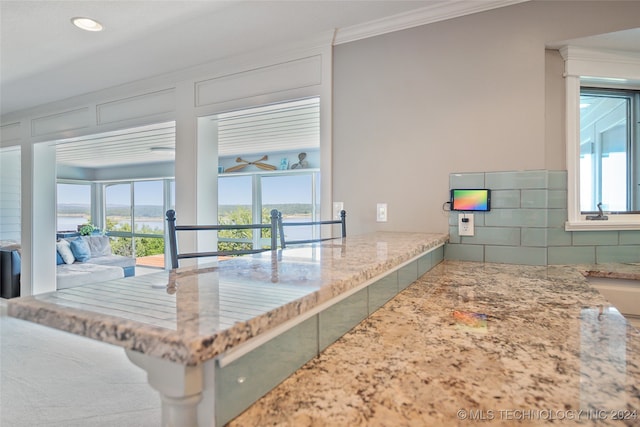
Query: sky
{"points": [[277, 189]]}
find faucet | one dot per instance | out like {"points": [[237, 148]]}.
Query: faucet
{"points": [[600, 216]]}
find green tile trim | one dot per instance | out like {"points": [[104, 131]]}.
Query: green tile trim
{"points": [[425, 263], [557, 180], [516, 218], [505, 199], [516, 255], [558, 237], [466, 180], [464, 252], [534, 236], [516, 180], [493, 236], [454, 237], [591, 238], [556, 217], [534, 204], [617, 254], [246, 379], [571, 255], [437, 256], [534, 199], [407, 275], [557, 199], [630, 237], [379, 293], [341, 317]]}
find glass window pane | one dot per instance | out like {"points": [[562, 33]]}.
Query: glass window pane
{"points": [[73, 206], [118, 207], [604, 152], [292, 195], [172, 195], [122, 246], [614, 168], [148, 203], [235, 207]]}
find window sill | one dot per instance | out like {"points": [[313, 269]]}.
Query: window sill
{"points": [[613, 223]]}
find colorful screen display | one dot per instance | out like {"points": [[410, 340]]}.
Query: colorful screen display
{"points": [[470, 200]]}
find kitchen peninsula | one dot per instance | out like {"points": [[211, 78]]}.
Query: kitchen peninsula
{"points": [[214, 339], [472, 344]]}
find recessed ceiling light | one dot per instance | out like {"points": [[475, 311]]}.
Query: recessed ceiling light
{"points": [[86, 24]]}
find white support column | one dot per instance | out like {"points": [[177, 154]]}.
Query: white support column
{"points": [[207, 182], [180, 388], [186, 165], [38, 273]]}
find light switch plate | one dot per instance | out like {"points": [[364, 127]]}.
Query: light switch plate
{"points": [[337, 207], [381, 215], [465, 225]]}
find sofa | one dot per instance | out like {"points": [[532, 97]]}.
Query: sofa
{"points": [[9, 269], [79, 260]]}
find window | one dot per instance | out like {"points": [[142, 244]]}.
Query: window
{"points": [[235, 206], [607, 150], [73, 206], [270, 159], [135, 216], [249, 198], [602, 151], [296, 202]]}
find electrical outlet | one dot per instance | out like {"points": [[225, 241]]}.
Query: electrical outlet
{"points": [[337, 207], [381, 214], [465, 225]]}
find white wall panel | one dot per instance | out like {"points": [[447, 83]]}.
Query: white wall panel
{"points": [[295, 74], [9, 133], [135, 107], [60, 122], [10, 194]]}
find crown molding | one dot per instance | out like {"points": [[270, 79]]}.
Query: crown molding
{"points": [[434, 13], [581, 62], [603, 55]]}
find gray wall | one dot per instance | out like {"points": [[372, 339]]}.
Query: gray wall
{"points": [[472, 94]]}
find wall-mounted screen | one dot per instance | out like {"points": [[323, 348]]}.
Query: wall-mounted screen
{"points": [[470, 200]]}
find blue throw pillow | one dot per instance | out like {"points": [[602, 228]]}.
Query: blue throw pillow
{"points": [[80, 249], [59, 259]]}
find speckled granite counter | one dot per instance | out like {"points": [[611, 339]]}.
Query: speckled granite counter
{"points": [[629, 271], [472, 344], [214, 339], [193, 315]]}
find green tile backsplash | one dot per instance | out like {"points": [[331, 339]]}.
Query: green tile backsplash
{"points": [[505, 199], [466, 180], [526, 224], [516, 180], [535, 199]]}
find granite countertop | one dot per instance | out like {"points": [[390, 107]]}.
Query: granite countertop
{"points": [[629, 271], [191, 315], [472, 344]]}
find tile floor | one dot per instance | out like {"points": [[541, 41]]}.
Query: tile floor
{"points": [[55, 379]]}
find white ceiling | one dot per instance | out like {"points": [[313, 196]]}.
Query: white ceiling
{"points": [[627, 40], [43, 58]]}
